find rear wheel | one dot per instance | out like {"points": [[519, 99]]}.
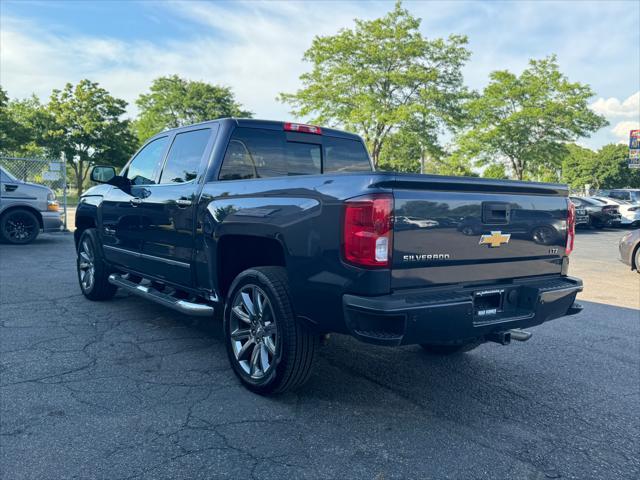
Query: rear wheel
{"points": [[268, 349], [19, 227], [93, 274], [440, 349], [637, 259]]}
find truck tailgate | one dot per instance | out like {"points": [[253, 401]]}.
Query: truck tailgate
{"points": [[462, 230]]}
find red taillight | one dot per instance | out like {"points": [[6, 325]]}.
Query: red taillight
{"points": [[368, 230], [299, 127], [571, 226]]}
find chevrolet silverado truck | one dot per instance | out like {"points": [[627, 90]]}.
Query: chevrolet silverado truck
{"points": [[286, 233]]}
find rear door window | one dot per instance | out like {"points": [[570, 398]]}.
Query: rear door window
{"points": [[183, 161]]}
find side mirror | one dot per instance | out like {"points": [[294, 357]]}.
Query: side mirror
{"points": [[100, 174]]}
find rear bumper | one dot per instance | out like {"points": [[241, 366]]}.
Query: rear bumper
{"points": [[450, 314]]}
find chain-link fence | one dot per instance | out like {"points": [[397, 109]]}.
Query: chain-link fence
{"points": [[47, 172]]}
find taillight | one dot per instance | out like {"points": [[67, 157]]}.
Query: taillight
{"points": [[301, 128], [368, 230], [571, 226]]}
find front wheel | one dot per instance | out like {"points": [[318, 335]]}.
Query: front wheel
{"points": [[268, 349], [93, 274], [19, 227]]}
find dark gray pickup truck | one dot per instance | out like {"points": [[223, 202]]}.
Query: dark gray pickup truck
{"points": [[287, 233]]}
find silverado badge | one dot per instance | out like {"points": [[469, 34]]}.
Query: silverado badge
{"points": [[495, 239]]}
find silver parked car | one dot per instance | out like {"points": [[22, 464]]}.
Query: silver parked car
{"points": [[630, 249], [26, 209]]}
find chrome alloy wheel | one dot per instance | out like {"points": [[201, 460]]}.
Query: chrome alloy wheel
{"points": [[86, 268], [253, 332]]}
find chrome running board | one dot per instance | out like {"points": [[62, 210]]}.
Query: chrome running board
{"points": [[182, 306]]}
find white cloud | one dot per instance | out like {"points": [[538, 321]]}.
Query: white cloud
{"points": [[614, 108], [621, 130], [255, 49]]}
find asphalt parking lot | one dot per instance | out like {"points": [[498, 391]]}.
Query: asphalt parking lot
{"points": [[128, 389]]}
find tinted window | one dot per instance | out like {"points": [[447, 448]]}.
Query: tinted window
{"points": [[184, 156], [620, 195], [143, 168], [238, 163], [345, 155], [256, 153]]}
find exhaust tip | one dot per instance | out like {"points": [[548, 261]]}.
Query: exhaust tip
{"points": [[520, 335]]}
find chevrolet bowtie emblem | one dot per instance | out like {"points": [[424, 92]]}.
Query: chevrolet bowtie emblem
{"points": [[495, 239]]}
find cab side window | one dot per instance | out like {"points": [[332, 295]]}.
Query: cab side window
{"points": [[144, 167], [183, 161]]}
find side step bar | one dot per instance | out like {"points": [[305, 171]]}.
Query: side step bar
{"points": [[150, 293]]}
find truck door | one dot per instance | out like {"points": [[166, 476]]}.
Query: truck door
{"points": [[167, 209], [121, 222]]}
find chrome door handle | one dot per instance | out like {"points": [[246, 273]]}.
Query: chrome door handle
{"points": [[183, 202], [136, 201]]}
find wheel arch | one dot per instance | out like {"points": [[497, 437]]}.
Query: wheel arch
{"points": [[236, 253], [82, 223], [24, 207]]}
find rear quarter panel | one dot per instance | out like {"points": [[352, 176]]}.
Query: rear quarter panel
{"points": [[304, 214]]}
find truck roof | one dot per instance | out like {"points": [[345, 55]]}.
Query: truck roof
{"points": [[266, 124]]}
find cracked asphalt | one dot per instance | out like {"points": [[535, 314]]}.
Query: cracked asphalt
{"points": [[127, 389]]}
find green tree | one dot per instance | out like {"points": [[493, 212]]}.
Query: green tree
{"points": [[495, 170], [524, 121], [381, 77], [175, 102], [87, 127], [606, 168], [13, 133]]}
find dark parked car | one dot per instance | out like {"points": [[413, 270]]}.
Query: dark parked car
{"points": [[600, 214], [26, 209], [286, 232], [630, 249], [582, 217]]}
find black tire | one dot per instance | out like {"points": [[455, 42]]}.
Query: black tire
{"points": [[440, 349], [90, 261], [288, 347], [19, 226], [636, 257]]}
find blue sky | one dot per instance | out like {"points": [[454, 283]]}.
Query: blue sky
{"points": [[256, 47]]}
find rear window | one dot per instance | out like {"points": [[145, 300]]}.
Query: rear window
{"points": [[258, 153], [345, 155]]}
